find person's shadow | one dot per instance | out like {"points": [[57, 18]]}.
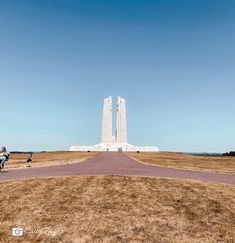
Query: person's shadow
{"points": [[5, 171]]}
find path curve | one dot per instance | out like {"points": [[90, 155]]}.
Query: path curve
{"points": [[114, 163]]}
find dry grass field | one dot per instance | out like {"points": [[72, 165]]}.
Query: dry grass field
{"points": [[49, 158], [222, 164], [117, 209]]}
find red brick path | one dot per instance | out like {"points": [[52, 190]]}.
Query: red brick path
{"points": [[114, 163]]}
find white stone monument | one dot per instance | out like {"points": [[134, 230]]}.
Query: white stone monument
{"points": [[107, 125], [117, 142], [121, 121]]}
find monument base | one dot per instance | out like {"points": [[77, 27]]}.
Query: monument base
{"points": [[125, 147]]}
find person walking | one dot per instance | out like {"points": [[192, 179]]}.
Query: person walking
{"points": [[29, 160], [4, 156]]}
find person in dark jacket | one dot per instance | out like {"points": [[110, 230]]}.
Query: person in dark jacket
{"points": [[4, 156], [29, 160]]}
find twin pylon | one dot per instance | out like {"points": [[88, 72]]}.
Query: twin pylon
{"points": [[120, 135], [118, 140]]}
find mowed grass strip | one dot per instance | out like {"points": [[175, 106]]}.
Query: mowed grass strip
{"points": [[18, 160], [117, 209], [222, 164]]}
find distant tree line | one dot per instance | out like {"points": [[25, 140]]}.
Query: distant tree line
{"points": [[232, 153]]}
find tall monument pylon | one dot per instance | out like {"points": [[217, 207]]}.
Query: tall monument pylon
{"points": [[121, 121], [107, 121]]}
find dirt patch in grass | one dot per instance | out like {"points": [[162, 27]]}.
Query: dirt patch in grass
{"points": [[222, 164], [117, 209], [18, 160]]}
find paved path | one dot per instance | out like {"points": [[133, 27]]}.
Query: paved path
{"points": [[114, 163]]}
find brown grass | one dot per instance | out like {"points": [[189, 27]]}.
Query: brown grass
{"points": [[49, 158], [222, 164], [117, 209]]}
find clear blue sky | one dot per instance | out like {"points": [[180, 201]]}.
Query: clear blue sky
{"points": [[174, 62]]}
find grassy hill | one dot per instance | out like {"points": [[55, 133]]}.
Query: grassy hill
{"points": [[117, 209], [222, 164]]}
